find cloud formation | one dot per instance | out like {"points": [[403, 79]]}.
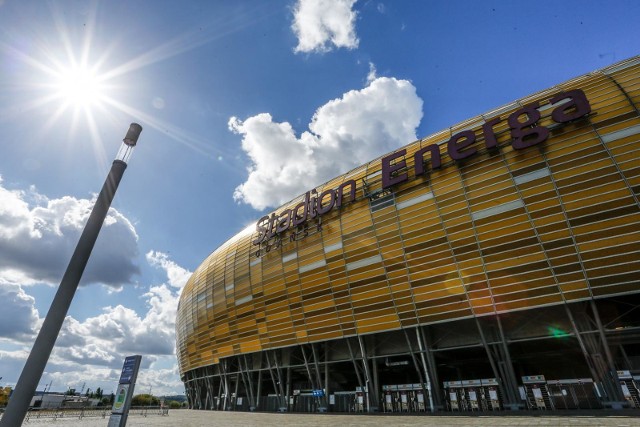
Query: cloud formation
{"points": [[18, 310], [92, 350], [320, 25], [177, 275], [120, 330], [343, 134], [38, 236]]}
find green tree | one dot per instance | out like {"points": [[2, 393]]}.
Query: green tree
{"points": [[144, 400], [4, 395], [174, 405]]}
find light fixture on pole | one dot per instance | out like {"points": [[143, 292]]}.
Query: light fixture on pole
{"points": [[39, 355]]}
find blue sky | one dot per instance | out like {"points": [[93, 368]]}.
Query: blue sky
{"points": [[244, 105]]}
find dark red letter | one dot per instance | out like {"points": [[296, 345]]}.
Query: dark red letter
{"points": [[418, 158], [284, 219], [455, 149], [490, 139], [388, 169], [525, 134], [574, 109], [261, 229]]}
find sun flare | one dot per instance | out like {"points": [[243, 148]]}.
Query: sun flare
{"points": [[72, 78], [79, 86]]}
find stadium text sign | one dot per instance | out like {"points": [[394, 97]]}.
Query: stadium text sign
{"points": [[524, 130]]}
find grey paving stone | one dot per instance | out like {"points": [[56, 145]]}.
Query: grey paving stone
{"points": [[188, 418]]}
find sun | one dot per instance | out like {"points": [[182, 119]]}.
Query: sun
{"points": [[79, 86], [70, 76]]}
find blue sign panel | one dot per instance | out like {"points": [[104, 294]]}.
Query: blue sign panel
{"points": [[122, 400], [128, 369]]}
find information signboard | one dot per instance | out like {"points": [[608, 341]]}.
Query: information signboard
{"points": [[128, 369], [122, 400]]}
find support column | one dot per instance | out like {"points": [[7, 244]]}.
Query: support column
{"points": [[417, 366], [287, 396], [249, 385], [322, 400], [618, 400], [276, 384], [225, 378], [581, 343], [280, 378], [511, 398], [596, 344], [507, 363], [433, 370], [220, 389], [326, 374], [376, 383], [372, 398], [209, 402], [235, 392], [308, 367], [258, 393], [428, 387], [355, 364]]}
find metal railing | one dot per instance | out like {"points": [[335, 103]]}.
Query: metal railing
{"points": [[91, 412]]}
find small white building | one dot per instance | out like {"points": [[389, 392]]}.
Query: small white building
{"points": [[48, 400]]}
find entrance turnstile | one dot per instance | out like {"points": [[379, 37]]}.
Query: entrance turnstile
{"points": [[388, 400], [491, 395], [629, 387], [404, 398], [572, 393], [359, 400], [454, 396], [536, 392], [473, 395]]}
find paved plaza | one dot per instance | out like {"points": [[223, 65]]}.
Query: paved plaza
{"points": [[189, 418]]}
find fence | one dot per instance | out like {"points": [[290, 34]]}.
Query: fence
{"points": [[102, 412]]}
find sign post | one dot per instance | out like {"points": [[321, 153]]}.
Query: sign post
{"points": [[122, 401]]}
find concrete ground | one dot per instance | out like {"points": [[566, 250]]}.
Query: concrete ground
{"points": [[190, 418]]}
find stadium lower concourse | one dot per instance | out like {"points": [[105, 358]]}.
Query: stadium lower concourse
{"points": [[492, 266]]}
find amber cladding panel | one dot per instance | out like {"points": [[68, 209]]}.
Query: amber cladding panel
{"points": [[502, 230]]}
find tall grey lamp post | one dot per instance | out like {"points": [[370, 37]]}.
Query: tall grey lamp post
{"points": [[37, 360]]}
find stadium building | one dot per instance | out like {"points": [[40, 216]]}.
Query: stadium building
{"points": [[494, 265]]}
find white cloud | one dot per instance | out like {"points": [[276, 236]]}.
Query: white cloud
{"points": [[371, 76], [93, 350], [321, 24], [36, 241], [18, 311], [177, 275], [343, 134], [120, 330]]}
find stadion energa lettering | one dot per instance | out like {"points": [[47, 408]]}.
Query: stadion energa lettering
{"points": [[311, 207], [524, 129], [524, 134]]}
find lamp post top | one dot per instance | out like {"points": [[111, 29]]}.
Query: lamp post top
{"points": [[132, 134]]}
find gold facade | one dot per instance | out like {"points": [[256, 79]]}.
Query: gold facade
{"points": [[505, 230]]}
